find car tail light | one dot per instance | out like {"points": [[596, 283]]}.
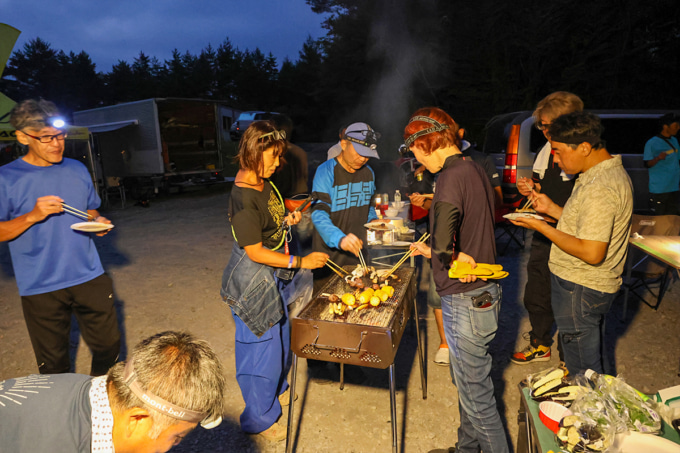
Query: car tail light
{"points": [[510, 170]]}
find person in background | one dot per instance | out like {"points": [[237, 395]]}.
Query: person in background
{"points": [[291, 176], [335, 150], [58, 270], [462, 228], [251, 285], [662, 158], [291, 180], [590, 241], [424, 201], [170, 383], [548, 178]]}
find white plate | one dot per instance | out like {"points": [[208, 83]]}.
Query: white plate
{"points": [[519, 215], [376, 226], [636, 442], [401, 243], [91, 227]]}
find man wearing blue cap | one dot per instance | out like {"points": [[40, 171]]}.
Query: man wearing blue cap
{"points": [[343, 188]]}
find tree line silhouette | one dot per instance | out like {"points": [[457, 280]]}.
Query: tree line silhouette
{"points": [[381, 59]]}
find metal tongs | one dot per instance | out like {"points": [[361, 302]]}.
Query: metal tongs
{"points": [[308, 200]]}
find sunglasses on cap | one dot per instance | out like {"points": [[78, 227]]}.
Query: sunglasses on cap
{"points": [[166, 407], [369, 138]]}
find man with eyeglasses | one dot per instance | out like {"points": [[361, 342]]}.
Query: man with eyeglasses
{"points": [[58, 270], [549, 179]]}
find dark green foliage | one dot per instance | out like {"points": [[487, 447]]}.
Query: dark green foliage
{"points": [[382, 59]]}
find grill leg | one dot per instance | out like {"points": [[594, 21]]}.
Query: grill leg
{"points": [[393, 409], [342, 376], [293, 376], [421, 361]]}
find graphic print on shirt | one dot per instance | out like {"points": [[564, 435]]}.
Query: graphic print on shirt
{"points": [[20, 389], [351, 195], [277, 211]]}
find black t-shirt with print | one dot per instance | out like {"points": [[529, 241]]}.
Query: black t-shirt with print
{"points": [[256, 216]]}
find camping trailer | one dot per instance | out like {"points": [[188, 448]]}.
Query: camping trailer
{"points": [[160, 141]]}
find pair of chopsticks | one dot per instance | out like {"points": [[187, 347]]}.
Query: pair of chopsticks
{"points": [[423, 238], [76, 212], [337, 269], [363, 261], [529, 202]]}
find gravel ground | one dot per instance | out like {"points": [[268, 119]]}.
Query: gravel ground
{"points": [[167, 262]]}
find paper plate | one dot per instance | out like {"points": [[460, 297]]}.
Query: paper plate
{"points": [[519, 215], [91, 227]]}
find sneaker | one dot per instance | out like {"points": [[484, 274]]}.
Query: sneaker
{"points": [[442, 357], [275, 433], [531, 354], [284, 398]]}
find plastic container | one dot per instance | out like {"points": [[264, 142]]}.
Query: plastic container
{"points": [[551, 414]]}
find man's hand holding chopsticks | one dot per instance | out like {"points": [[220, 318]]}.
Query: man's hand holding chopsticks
{"points": [[352, 244], [44, 207], [421, 248], [543, 205]]}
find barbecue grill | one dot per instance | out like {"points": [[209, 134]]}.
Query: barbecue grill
{"points": [[368, 337]]}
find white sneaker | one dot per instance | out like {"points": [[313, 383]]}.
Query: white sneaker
{"points": [[442, 357]]}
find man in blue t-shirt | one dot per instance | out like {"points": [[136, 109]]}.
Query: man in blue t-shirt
{"points": [[662, 159], [57, 269]]}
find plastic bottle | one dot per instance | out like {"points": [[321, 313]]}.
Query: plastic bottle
{"points": [[397, 197]]}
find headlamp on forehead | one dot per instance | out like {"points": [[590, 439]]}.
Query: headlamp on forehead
{"points": [[436, 127], [57, 121], [369, 138], [166, 407]]}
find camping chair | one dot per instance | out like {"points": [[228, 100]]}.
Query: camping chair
{"points": [[113, 186], [647, 271], [505, 228]]}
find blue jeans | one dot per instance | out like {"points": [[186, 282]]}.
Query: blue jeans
{"points": [[469, 331], [580, 315]]}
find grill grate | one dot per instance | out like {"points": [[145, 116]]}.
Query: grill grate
{"points": [[380, 316]]}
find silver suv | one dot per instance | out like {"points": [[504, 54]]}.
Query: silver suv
{"points": [[513, 141], [245, 119]]}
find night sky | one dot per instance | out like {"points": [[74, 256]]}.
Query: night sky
{"points": [[110, 31]]}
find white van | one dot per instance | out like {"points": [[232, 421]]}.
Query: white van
{"points": [[513, 141]]}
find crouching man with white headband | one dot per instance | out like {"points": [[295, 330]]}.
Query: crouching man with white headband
{"points": [[170, 383]]}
